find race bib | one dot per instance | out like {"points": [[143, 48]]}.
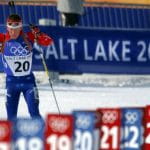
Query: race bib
{"points": [[18, 65]]}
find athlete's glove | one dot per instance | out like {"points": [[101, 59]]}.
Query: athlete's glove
{"points": [[40, 37], [35, 30]]}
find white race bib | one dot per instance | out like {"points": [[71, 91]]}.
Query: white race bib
{"points": [[19, 65]]}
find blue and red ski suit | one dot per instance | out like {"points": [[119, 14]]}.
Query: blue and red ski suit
{"points": [[17, 62]]}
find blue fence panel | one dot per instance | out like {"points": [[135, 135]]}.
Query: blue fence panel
{"points": [[19, 10], [112, 17], [25, 14], [146, 16], [84, 20], [100, 17], [2, 14], [32, 14], [119, 18], [6, 13]]}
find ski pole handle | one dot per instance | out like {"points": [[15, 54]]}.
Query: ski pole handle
{"points": [[11, 5]]}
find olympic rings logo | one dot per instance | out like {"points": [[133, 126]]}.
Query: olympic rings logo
{"points": [[59, 124], [19, 51], [109, 116], [131, 117], [83, 121], [31, 127]]}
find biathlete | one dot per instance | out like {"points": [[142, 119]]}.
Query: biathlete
{"points": [[16, 49]]}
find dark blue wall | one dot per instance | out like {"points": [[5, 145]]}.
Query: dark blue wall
{"points": [[107, 17]]}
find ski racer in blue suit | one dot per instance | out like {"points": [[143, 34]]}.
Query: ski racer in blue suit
{"points": [[16, 49]]}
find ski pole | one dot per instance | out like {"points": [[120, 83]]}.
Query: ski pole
{"points": [[49, 79], [46, 69]]}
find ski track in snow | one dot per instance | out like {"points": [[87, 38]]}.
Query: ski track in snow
{"points": [[85, 94]]}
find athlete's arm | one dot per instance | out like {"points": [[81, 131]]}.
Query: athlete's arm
{"points": [[2, 40], [41, 38]]}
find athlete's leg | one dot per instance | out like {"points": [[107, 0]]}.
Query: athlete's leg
{"points": [[32, 99], [12, 103]]}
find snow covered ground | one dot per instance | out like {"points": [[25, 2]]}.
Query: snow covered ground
{"points": [[85, 92]]}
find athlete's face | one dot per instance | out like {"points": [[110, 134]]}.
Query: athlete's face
{"points": [[14, 29], [14, 33]]}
